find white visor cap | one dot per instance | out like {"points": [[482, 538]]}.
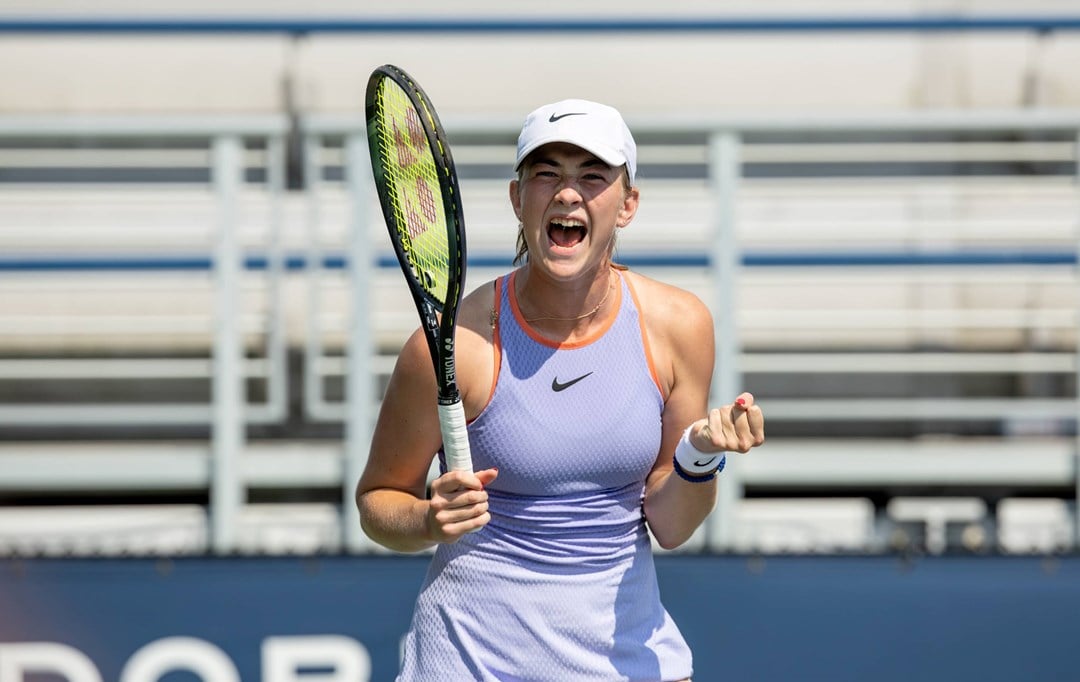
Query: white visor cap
{"points": [[596, 128]]}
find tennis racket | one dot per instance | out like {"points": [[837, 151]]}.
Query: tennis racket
{"points": [[421, 201]]}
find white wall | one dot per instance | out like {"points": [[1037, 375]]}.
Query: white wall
{"points": [[507, 75]]}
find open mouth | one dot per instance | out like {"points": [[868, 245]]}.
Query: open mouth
{"points": [[565, 232]]}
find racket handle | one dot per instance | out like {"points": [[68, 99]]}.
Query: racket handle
{"points": [[455, 437]]}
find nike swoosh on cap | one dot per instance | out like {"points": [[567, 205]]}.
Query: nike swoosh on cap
{"points": [[556, 386], [554, 118]]}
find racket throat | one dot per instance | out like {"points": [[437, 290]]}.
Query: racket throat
{"points": [[448, 390]]}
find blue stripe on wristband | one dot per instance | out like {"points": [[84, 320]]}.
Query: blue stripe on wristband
{"points": [[702, 478]]}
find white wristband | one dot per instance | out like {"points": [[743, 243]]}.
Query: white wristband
{"points": [[695, 462]]}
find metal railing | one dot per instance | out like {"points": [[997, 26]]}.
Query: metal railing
{"points": [[227, 410], [347, 277]]}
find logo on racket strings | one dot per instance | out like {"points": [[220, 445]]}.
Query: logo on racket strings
{"points": [[421, 214], [409, 141], [414, 160]]}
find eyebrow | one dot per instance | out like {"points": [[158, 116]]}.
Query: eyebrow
{"points": [[591, 162]]}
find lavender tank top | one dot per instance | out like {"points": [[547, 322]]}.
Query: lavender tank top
{"points": [[560, 585]]}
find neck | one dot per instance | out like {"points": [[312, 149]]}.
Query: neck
{"points": [[592, 303]]}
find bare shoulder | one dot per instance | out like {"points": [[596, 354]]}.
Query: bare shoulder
{"points": [[679, 329], [669, 311], [473, 334], [474, 316], [475, 352]]}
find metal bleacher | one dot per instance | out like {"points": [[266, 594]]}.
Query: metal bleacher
{"points": [[198, 314]]}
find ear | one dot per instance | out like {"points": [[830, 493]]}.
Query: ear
{"points": [[629, 207], [515, 199]]}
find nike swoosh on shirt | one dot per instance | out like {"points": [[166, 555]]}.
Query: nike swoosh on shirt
{"points": [[556, 386], [554, 118]]}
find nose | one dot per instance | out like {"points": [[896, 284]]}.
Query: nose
{"points": [[567, 192]]}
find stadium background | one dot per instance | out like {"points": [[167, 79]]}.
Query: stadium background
{"points": [[884, 193]]}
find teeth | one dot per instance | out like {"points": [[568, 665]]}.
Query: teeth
{"points": [[567, 222]]}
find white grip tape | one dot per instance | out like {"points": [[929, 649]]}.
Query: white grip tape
{"points": [[694, 461], [455, 437]]}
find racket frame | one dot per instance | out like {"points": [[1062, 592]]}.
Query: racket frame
{"points": [[438, 320]]}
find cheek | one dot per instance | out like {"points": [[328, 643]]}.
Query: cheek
{"points": [[611, 205], [531, 204]]}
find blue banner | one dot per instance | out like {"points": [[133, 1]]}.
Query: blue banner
{"points": [[327, 619]]}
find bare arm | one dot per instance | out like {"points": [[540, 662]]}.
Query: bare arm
{"points": [[675, 507], [390, 495]]}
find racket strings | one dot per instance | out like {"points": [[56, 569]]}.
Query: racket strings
{"points": [[415, 192]]}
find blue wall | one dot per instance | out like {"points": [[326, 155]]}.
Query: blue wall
{"points": [[747, 618]]}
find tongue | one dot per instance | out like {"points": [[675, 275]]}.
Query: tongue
{"points": [[566, 236]]}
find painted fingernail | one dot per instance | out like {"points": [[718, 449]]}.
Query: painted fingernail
{"points": [[740, 402]]}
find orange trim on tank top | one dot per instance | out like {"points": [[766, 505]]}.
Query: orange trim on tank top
{"points": [[496, 341], [645, 340], [536, 336]]}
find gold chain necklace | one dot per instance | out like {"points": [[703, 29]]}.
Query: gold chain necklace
{"points": [[592, 312]]}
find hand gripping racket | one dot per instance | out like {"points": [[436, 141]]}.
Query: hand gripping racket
{"points": [[421, 201]]}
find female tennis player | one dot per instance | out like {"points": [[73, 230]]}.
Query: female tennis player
{"points": [[586, 389]]}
